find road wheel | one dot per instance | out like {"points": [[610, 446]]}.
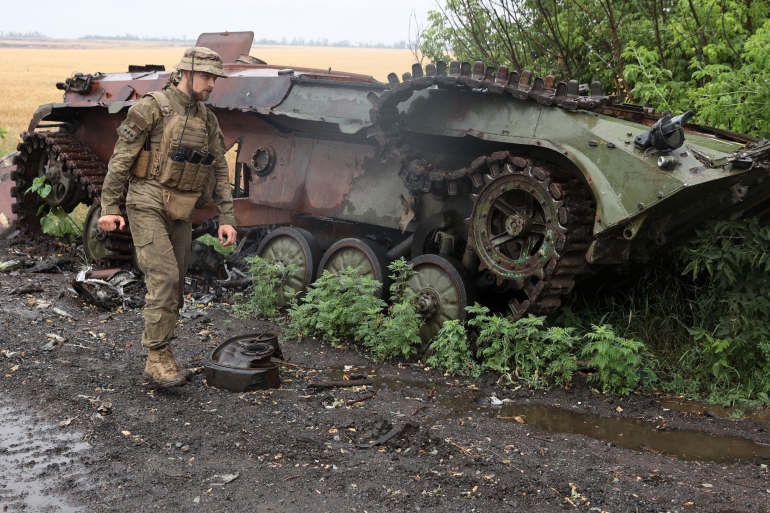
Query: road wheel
{"points": [[295, 249], [442, 291], [366, 256]]}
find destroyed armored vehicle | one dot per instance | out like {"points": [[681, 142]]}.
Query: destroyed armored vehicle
{"points": [[494, 183]]}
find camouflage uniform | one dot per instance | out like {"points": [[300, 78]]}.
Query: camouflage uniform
{"points": [[162, 243]]}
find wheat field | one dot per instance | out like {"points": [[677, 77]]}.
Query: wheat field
{"points": [[29, 69]]}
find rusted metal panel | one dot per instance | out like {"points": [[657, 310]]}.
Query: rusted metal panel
{"points": [[247, 213], [249, 87], [254, 90], [327, 101], [311, 175], [229, 45]]}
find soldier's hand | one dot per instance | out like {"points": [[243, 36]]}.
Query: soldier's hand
{"points": [[110, 223], [227, 235]]}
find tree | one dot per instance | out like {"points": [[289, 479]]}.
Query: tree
{"points": [[703, 55]]}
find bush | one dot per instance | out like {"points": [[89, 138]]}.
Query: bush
{"points": [[732, 260], [451, 353], [524, 348], [267, 289], [59, 223], [618, 360], [396, 333], [336, 307], [56, 221]]}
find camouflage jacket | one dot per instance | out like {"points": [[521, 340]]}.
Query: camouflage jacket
{"points": [[143, 119]]}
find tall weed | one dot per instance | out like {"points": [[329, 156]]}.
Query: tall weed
{"points": [[335, 307], [617, 360], [451, 352], [704, 315], [267, 292], [524, 348], [395, 332]]}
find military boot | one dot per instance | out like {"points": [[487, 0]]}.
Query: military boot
{"points": [[187, 373], [162, 369]]}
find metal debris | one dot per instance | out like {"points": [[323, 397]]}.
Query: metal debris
{"points": [[193, 314], [109, 289], [59, 311]]}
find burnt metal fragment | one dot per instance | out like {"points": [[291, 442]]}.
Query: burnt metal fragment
{"points": [[242, 363]]}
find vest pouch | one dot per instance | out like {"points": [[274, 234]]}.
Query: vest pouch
{"points": [[187, 180], [179, 205], [171, 173], [141, 166], [207, 192], [205, 172]]}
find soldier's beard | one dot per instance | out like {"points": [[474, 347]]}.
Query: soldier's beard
{"points": [[201, 96]]}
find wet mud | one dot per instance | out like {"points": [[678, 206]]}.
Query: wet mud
{"points": [[405, 438], [36, 458]]}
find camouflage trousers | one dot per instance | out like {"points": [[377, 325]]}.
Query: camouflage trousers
{"points": [[163, 252]]}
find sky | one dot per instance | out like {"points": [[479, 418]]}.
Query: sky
{"points": [[383, 21]]}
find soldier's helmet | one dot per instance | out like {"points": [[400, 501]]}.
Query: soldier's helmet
{"points": [[206, 60]]}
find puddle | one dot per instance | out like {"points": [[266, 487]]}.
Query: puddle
{"points": [[686, 406], [34, 456], [637, 436]]}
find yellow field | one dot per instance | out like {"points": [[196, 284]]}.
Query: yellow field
{"points": [[29, 69]]}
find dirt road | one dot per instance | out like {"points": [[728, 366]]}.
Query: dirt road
{"points": [[108, 442]]}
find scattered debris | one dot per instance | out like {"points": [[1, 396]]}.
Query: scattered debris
{"points": [[309, 440], [365, 398], [107, 288], [54, 340], [324, 385], [29, 288], [460, 447], [10, 265], [492, 400], [387, 436], [103, 408], [50, 265], [206, 299], [224, 478], [59, 311], [66, 422], [193, 314]]}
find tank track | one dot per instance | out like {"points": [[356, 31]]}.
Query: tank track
{"points": [[419, 174], [552, 275], [81, 166], [568, 216]]}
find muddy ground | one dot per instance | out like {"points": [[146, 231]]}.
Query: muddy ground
{"points": [[291, 449]]}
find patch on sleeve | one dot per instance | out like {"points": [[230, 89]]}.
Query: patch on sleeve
{"points": [[136, 119], [128, 133]]}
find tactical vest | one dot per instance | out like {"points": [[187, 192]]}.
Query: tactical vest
{"points": [[154, 162]]}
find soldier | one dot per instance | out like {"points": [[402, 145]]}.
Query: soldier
{"points": [[173, 149]]}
